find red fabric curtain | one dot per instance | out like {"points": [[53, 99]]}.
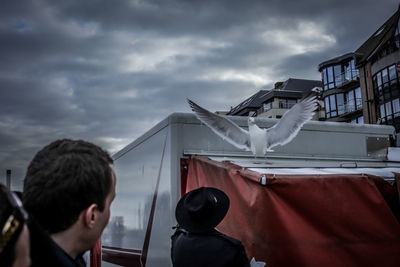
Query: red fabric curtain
{"points": [[95, 255], [306, 220]]}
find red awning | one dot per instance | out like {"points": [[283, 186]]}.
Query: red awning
{"points": [[306, 220]]}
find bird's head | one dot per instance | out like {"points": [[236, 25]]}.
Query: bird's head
{"points": [[251, 121]]}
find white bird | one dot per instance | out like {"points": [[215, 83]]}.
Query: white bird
{"points": [[257, 140], [254, 263]]}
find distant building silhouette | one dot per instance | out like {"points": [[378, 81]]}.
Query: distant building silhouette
{"points": [[273, 103]]}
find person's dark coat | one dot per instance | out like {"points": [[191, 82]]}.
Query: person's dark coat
{"points": [[46, 253], [212, 249]]}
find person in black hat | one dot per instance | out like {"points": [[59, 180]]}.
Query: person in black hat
{"points": [[196, 242]]}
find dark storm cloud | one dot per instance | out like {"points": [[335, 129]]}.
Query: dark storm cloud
{"points": [[107, 71]]}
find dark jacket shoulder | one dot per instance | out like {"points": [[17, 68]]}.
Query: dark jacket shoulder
{"points": [[231, 240], [207, 249], [45, 252]]}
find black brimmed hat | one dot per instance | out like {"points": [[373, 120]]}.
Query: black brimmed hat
{"points": [[202, 209]]}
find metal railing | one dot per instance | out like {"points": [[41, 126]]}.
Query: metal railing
{"points": [[350, 106], [272, 106], [346, 77], [389, 118], [286, 105]]}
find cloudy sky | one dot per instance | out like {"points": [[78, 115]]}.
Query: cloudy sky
{"points": [[107, 71]]}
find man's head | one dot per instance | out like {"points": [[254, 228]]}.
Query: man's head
{"points": [[67, 180]]}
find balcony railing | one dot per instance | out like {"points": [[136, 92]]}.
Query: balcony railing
{"points": [[350, 106], [388, 118], [346, 77], [286, 105], [272, 106]]}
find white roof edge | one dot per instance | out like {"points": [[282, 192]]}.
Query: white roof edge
{"points": [[382, 172]]}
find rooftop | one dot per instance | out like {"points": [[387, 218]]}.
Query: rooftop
{"points": [[295, 88], [336, 60], [369, 47]]}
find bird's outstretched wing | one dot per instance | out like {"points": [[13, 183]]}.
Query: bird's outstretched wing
{"points": [[223, 127], [291, 122]]}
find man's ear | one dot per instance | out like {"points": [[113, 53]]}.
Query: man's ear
{"points": [[90, 215]]}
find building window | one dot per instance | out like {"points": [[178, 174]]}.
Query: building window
{"points": [[338, 104], [324, 79], [388, 107], [379, 82], [396, 107], [382, 115], [348, 70], [353, 100], [385, 82], [357, 93], [330, 78], [332, 101], [287, 103], [327, 108], [386, 88], [267, 106], [351, 73], [327, 78], [389, 110], [331, 109], [339, 74], [350, 103], [392, 75]]}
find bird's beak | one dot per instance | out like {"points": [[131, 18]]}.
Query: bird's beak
{"points": [[253, 122]]}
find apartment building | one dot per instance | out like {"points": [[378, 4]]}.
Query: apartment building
{"points": [[273, 103], [378, 61], [341, 89]]}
